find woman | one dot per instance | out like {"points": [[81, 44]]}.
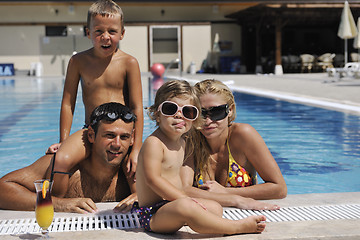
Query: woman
{"points": [[227, 155]]}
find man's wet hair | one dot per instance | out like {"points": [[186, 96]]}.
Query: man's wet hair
{"points": [[111, 112]]}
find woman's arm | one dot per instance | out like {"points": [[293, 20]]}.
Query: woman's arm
{"points": [[246, 139], [224, 199], [187, 178]]}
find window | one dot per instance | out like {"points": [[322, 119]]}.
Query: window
{"points": [[56, 31]]}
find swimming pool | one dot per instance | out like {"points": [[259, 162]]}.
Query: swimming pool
{"points": [[317, 150]]}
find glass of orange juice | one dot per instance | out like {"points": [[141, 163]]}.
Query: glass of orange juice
{"points": [[44, 210]]}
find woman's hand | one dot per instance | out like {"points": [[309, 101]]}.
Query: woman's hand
{"points": [[213, 186], [53, 148]]}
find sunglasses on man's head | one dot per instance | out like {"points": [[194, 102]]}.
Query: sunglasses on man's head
{"points": [[168, 108], [216, 113], [113, 116]]}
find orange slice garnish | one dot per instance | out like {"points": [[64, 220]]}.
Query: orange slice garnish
{"points": [[45, 188]]}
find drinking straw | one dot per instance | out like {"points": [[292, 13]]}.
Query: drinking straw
{"points": [[52, 168]]}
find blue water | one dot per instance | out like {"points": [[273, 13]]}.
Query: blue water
{"points": [[318, 150]]}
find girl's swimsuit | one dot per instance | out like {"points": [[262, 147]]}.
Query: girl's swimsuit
{"points": [[145, 213], [237, 175]]}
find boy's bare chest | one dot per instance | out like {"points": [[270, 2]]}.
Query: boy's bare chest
{"points": [[97, 75]]}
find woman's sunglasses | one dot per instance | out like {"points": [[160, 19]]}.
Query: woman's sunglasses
{"points": [[216, 113], [168, 108]]}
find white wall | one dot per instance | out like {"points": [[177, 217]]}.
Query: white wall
{"points": [[135, 43], [55, 52], [196, 44], [24, 44], [228, 32], [20, 45]]}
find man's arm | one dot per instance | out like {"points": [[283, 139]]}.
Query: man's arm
{"points": [[69, 98], [75, 149], [135, 104], [17, 188]]}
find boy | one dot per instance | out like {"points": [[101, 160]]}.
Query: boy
{"points": [[107, 74]]}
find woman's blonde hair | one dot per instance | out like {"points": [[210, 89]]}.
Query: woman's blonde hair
{"points": [[201, 148]]}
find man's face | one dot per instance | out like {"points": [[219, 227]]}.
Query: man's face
{"points": [[112, 141]]}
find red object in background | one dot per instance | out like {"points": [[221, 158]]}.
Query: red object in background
{"points": [[157, 70]]}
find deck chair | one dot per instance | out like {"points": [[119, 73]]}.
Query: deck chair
{"points": [[355, 57], [351, 69], [307, 62], [325, 61]]}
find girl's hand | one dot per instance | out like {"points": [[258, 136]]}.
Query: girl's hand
{"points": [[213, 186]]}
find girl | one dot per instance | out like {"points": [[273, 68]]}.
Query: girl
{"points": [[163, 205]]}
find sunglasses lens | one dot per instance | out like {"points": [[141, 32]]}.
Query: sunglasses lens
{"points": [[190, 112], [169, 108], [216, 113]]}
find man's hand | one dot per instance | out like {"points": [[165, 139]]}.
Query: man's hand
{"points": [[126, 204], [213, 186], [76, 205], [53, 148]]}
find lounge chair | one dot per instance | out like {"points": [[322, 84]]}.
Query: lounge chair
{"points": [[325, 61], [307, 62], [351, 69], [355, 57]]}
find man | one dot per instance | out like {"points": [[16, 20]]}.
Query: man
{"points": [[96, 178]]}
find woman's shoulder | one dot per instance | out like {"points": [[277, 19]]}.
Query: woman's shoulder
{"points": [[241, 129], [243, 134]]}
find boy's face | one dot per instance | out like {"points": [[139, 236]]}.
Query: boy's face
{"points": [[105, 33]]}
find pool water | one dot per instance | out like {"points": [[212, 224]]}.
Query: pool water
{"points": [[318, 150]]}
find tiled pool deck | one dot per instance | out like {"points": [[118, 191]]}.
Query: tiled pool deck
{"points": [[309, 88], [317, 229]]}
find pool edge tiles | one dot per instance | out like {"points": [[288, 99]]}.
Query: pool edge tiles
{"points": [[327, 104], [296, 98]]}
